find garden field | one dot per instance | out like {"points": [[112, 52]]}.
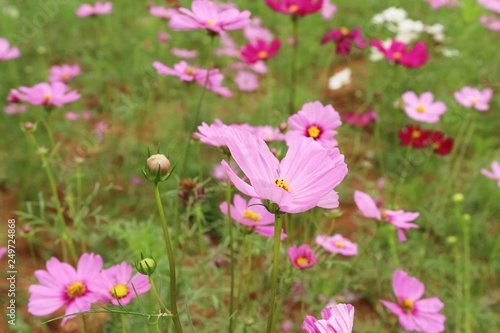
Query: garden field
{"points": [[250, 166]]}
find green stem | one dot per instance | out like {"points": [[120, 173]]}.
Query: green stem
{"points": [[459, 286], [272, 296], [171, 262], [157, 296], [392, 243], [49, 130], [231, 252], [466, 279], [124, 327], [293, 75]]}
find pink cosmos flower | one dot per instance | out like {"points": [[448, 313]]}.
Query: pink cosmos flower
{"points": [[162, 12], [228, 47], [494, 173], [398, 218], [3, 250], [414, 313], [343, 38], [423, 108], [117, 282], [252, 215], [268, 133], [72, 116], [436, 4], [260, 50], [315, 121], [182, 70], [207, 15], [14, 96], [336, 319], [50, 94], [183, 53], [213, 135], [214, 82], [360, 119], [62, 285], [6, 51], [254, 31], [474, 98], [246, 81], [398, 52], [493, 5], [63, 73], [163, 37], [491, 22], [337, 244], [305, 178], [15, 108], [99, 8], [328, 9], [295, 7], [301, 257]]}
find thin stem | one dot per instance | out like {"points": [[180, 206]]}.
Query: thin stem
{"points": [[231, 252], [272, 296], [171, 262], [392, 244], [293, 75], [124, 327], [157, 296], [466, 279], [49, 130]]}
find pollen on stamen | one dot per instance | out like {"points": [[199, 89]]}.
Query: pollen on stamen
{"points": [[282, 184], [344, 31], [313, 132], [407, 305], [119, 291], [301, 261], [251, 215], [397, 55], [211, 22], [75, 289], [293, 8], [420, 108], [263, 55], [339, 244]]}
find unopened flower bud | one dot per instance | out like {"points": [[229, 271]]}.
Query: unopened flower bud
{"points": [[28, 126], [158, 160], [282, 127], [451, 239], [458, 197], [146, 266]]}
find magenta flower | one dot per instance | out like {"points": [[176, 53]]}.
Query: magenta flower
{"points": [[360, 119], [315, 121], [494, 173], [337, 244], [246, 81], [343, 38], [62, 285], [336, 319], [182, 70], [305, 178], [63, 73], [474, 98], [252, 215], [6, 51], [398, 52], [162, 12], [207, 15], [50, 94], [260, 50], [414, 313], [117, 282], [328, 9], [423, 108], [398, 218], [301, 257], [99, 8], [183, 53], [295, 7]]}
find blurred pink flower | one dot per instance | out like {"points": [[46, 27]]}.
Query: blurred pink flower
{"points": [[474, 98], [295, 7], [183, 53], [304, 179], [343, 38], [254, 31], [207, 15], [301, 257], [315, 121], [436, 4], [213, 135], [100, 128], [136, 180], [252, 215], [117, 282], [398, 52], [360, 119], [162, 12], [72, 116], [50, 94], [260, 50], [6, 51], [493, 5], [3, 250], [14, 96], [214, 82], [328, 9], [494, 173], [99, 8], [228, 47], [335, 319], [15, 108], [423, 108], [414, 313], [398, 218], [286, 325], [491, 22], [182, 70], [337, 244], [63, 73], [246, 81], [86, 115], [62, 285], [268, 133]]}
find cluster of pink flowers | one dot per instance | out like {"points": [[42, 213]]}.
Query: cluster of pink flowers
{"points": [[78, 289], [99, 8], [343, 38], [491, 21], [399, 53], [64, 73]]}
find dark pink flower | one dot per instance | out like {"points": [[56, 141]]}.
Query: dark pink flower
{"points": [[301, 257], [343, 38], [260, 50], [50, 94], [398, 52], [360, 119], [295, 7]]}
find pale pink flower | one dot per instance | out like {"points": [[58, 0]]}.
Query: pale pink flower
{"points": [[62, 285], [100, 128], [213, 135], [287, 325], [99, 8], [493, 5], [86, 115], [63, 73], [50, 94], [162, 12], [414, 313], [214, 82], [254, 31], [337, 244], [15, 108], [328, 9], [494, 173], [398, 218], [304, 179], [436, 4], [491, 22], [252, 215], [72, 116], [335, 319], [268, 133], [360, 119], [182, 70], [6, 51], [3, 250], [474, 98], [117, 282], [423, 108], [301, 257], [207, 15], [246, 81], [163, 37], [183, 53], [315, 121], [228, 48]]}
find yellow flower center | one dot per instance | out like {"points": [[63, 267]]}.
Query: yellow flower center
{"points": [[474, 101], [251, 215], [119, 291], [282, 183], [47, 97], [313, 132], [407, 305], [344, 31], [420, 108], [301, 261], [397, 55], [339, 244], [75, 289], [190, 71], [65, 76], [263, 55], [415, 134], [211, 22], [293, 8]]}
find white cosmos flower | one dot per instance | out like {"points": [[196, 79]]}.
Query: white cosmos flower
{"points": [[340, 79]]}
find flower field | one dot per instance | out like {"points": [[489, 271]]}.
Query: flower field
{"points": [[250, 166]]}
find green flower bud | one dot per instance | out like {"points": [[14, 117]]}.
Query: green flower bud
{"points": [[146, 266], [158, 161]]}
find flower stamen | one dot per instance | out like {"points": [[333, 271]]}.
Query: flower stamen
{"points": [[75, 289], [251, 215], [282, 184], [119, 291]]}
